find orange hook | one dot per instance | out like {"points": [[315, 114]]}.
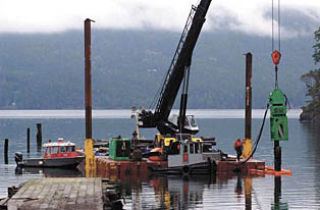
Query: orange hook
{"points": [[276, 55]]}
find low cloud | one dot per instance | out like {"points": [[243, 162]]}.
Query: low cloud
{"points": [[248, 16]]}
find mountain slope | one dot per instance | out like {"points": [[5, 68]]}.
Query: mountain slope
{"points": [[47, 71]]}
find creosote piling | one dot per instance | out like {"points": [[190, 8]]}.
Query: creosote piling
{"points": [[39, 137], [6, 148], [28, 140]]}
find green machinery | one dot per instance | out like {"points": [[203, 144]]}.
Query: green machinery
{"points": [[120, 149], [278, 118]]}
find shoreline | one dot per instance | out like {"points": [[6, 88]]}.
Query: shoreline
{"points": [[126, 114]]}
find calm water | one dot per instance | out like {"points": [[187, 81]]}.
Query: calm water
{"points": [[300, 154]]}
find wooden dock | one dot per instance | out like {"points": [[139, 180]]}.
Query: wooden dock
{"points": [[59, 193]]}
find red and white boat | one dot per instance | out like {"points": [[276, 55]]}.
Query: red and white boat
{"points": [[58, 154]]}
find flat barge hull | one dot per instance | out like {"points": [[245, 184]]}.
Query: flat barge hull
{"points": [[143, 169]]}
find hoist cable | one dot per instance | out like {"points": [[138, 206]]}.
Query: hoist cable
{"points": [[272, 26], [272, 22], [279, 24], [276, 78]]}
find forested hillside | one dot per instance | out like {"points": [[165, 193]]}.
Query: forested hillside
{"points": [[46, 71]]}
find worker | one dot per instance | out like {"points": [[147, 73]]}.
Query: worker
{"points": [[238, 147], [134, 138]]}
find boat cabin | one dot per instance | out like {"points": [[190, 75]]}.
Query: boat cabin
{"points": [[60, 149], [185, 152]]}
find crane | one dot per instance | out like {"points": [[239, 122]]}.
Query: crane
{"points": [[177, 73]]}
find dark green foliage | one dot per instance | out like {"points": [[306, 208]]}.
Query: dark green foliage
{"points": [[311, 112], [316, 54], [46, 71]]}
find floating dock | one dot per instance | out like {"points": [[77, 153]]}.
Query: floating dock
{"points": [[59, 193]]}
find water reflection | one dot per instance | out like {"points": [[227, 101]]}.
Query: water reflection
{"points": [[176, 192], [49, 172], [238, 188], [183, 192], [312, 132], [247, 190], [277, 195]]}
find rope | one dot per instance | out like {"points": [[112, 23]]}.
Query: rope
{"points": [[287, 102]]}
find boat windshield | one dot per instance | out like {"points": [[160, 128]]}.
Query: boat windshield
{"points": [[70, 149], [52, 150], [62, 149], [48, 150], [192, 121]]}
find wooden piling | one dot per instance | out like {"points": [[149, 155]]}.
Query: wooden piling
{"points": [[28, 140], [88, 143], [6, 148], [39, 137], [247, 146], [248, 96], [88, 95]]}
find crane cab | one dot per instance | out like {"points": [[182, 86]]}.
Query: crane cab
{"points": [[190, 124]]}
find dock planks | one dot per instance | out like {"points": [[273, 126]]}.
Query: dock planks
{"points": [[59, 193]]}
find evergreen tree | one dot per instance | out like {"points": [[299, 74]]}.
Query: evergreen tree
{"points": [[311, 112]]}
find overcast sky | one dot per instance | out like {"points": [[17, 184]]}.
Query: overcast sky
{"points": [[249, 16]]}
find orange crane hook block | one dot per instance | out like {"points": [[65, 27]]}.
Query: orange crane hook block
{"points": [[276, 55]]}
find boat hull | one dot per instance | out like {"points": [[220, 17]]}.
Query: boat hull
{"points": [[197, 168], [71, 162]]}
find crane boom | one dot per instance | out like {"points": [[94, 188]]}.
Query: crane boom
{"points": [[176, 72]]}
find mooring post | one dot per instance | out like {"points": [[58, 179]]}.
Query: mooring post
{"points": [[6, 148], [277, 156], [39, 137], [247, 146], [90, 159], [28, 140], [277, 189], [88, 95]]}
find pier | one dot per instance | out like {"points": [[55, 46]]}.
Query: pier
{"points": [[59, 193]]}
